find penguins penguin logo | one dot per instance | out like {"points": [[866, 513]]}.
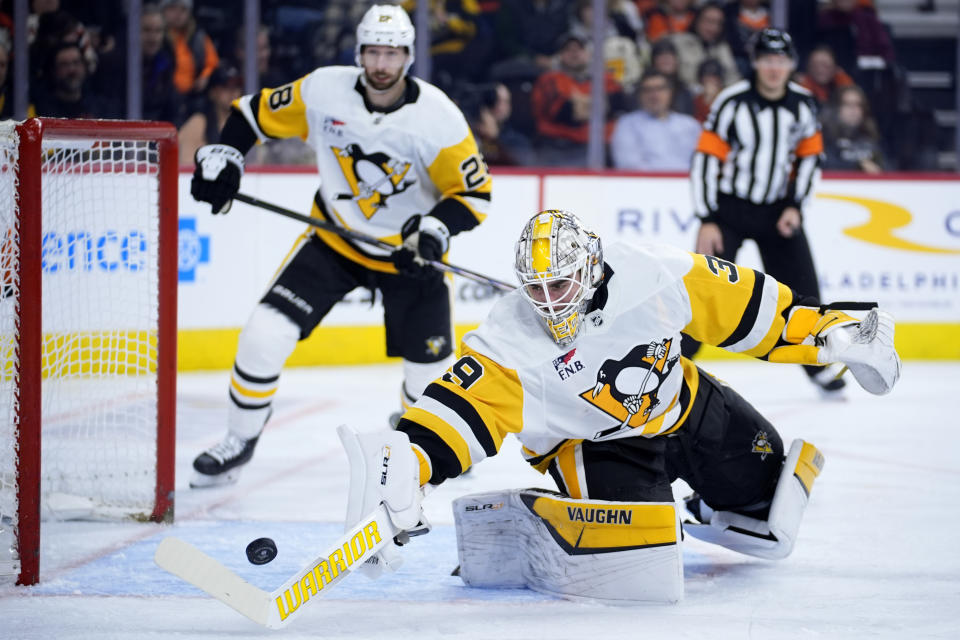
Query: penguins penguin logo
{"points": [[373, 177], [627, 389]]}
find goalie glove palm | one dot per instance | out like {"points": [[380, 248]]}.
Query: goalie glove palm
{"points": [[425, 238], [216, 179], [866, 348]]}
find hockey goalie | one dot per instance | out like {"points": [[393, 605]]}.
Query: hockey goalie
{"points": [[582, 363]]}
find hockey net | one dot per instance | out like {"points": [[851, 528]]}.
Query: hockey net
{"points": [[87, 327]]}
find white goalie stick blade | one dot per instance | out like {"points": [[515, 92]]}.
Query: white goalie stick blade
{"points": [[277, 609]]}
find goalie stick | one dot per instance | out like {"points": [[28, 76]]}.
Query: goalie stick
{"points": [[368, 239], [275, 610]]}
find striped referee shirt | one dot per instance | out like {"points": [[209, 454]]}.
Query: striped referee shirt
{"points": [[757, 150]]}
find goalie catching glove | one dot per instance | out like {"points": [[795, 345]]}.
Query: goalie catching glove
{"points": [[384, 469], [216, 179], [865, 347], [425, 239]]}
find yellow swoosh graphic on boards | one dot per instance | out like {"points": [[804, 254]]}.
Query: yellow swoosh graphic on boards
{"points": [[884, 218]]}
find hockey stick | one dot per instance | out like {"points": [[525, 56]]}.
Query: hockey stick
{"points": [[275, 610], [368, 239]]}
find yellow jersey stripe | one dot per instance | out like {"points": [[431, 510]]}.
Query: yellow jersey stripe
{"points": [[282, 113], [567, 463], [691, 382], [770, 323], [450, 436], [716, 317], [347, 250]]}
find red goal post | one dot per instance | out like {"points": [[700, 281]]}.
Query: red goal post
{"points": [[87, 326]]}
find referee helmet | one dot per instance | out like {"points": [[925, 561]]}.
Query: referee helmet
{"points": [[772, 41]]}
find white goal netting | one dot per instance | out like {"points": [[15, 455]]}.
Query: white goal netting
{"points": [[99, 302]]}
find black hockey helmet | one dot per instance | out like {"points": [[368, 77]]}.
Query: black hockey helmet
{"points": [[772, 41]]}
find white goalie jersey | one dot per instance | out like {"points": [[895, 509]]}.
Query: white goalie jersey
{"points": [[377, 167], [623, 376]]}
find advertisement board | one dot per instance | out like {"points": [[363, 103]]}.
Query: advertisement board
{"points": [[894, 240]]}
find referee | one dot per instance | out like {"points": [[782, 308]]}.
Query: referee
{"points": [[755, 165]]}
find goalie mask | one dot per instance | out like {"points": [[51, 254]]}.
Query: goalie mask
{"points": [[559, 264], [385, 25]]}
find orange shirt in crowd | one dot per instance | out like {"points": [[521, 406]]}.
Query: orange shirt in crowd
{"points": [[185, 73], [752, 23], [822, 92], [551, 93], [659, 23]]}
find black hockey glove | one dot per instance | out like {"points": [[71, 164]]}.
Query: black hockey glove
{"points": [[424, 238], [217, 176]]}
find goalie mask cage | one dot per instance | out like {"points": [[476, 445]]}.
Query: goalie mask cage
{"points": [[88, 263]]}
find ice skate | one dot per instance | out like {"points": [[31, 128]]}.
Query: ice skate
{"points": [[830, 384], [221, 464]]}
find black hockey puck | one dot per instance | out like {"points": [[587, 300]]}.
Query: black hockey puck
{"points": [[261, 551]]}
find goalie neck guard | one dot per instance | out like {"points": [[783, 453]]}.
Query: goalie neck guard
{"points": [[388, 26], [559, 264]]}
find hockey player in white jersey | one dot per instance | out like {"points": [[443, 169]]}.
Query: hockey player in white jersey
{"points": [[397, 161], [582, 363]]}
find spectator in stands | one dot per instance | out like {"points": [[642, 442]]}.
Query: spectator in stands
{"points": [[627, 17], [67, 95], [621, 20], [195, 55], [457, 48], [823, 77], [268, 75], [664, 59], [654, 138], [710, 81], [6, 101], [333, 39], [104, 21], [284, 151], [671, 16], [526, 34], [619, 47], [850, 135], [561, 105], [743, 19], [203, 127], [52, 29], [160, 101], [858, 38], [705, 39], [489, 116]]}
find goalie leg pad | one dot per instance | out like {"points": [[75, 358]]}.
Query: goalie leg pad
{"points": [[614, 552], [773, 538]]}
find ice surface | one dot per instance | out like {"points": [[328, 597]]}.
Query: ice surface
{"points": [[876, 557]]}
